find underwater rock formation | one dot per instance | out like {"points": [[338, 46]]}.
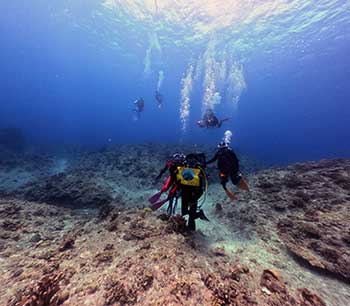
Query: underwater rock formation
{"points": [[39, 293], [113, 175], [120, 255], [308, 204], [20, 168], [324, 242], [164, 266], [70, 190]]}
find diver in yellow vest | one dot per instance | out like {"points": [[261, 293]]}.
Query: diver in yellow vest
{"points": [[192, 182]]}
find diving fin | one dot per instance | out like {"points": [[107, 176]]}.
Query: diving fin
{"points": [[243, 184], [153, 199], [231, 195], [202, 216], [155, 206]]}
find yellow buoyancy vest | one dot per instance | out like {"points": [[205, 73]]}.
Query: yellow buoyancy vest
{"points": [[188, 176]]}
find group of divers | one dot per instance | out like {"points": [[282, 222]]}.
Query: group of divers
{"points": [[209, 119], [187, 177]]}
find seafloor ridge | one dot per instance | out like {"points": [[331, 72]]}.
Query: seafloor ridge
{"points": [[74, 232]]}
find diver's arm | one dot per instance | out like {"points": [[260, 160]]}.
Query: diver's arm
{"points": [[213, 159], [161, 172], [222, 121]]}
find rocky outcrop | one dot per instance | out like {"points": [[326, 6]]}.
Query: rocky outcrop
{"points": [[162, 264], [42, 292], [324, 243], [70, 190], [111, 175], [308, 204], [119, 255]]}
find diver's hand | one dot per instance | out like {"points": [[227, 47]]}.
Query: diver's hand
{"points": [[156, 180]]}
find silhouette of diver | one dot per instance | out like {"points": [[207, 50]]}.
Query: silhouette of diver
{"points": [[228, 165], [139, 106], [159, 99], [210, 120]]}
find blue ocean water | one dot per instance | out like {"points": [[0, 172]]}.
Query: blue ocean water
{"points": [[71, 70]]}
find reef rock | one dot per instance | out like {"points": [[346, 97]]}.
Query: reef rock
{"points": [[323, 243], [115, 174], [70, 190], [86, 263], [41, 292], [312, 204]]}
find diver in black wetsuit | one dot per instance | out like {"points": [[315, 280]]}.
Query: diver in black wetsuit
{"points": [[187, 179], [228, 165], [159, 99], [139, 106], [210, 120], [191, 181]]}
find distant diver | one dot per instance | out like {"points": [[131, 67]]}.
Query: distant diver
{"points": [[228, 165], [159, 99], [139, 106], [210, 120]]}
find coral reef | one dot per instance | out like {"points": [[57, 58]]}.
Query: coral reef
{"points": [[18, 169], [308, 205], [70, 190], [84, 263], [40, 293], [77, 234], [109, 176]]}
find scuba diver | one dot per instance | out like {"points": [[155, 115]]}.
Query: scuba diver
{"points": [[139, 106], [210, 120], [228, 165], [192, 183], [177, 160], [188, 181], [159, 99]]}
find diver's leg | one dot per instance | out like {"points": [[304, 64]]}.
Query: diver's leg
{"points": [[170, 207], [175, 206], [224, 180], [184, 207], [192, 215], [238, 179], [243, 184], [167, 184], [185, 199]]}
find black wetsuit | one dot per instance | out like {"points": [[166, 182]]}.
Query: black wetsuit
{"points": [[228, 165], [159, 98], [191, 194], [139, 107], [211, 121], [189, 203]]}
